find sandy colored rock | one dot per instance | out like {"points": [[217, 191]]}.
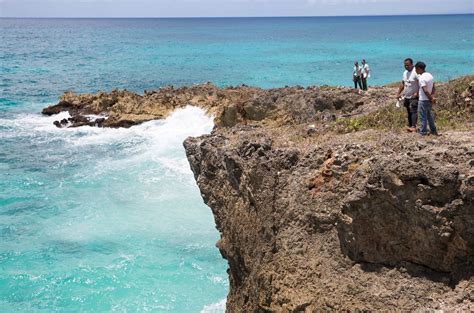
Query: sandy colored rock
{"points": [[349, 224], [230, 106], [322, 201]]}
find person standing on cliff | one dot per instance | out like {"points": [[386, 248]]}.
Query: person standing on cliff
{"points": [[426, 99], [356, 75], [365, 74], [410, 87]]}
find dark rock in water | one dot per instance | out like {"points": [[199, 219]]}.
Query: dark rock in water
{"points": [[78, 120], [99, 122], [60, 107], [62, 123], [124, 123]]}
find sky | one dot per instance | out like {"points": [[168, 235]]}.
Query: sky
{"points": [[224, 8]]}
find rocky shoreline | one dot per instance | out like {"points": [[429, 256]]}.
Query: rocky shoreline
{"points": [[320, 207], [231, 106]]}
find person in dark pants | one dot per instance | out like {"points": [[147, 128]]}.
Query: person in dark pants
{"points": [[426, 99], [356, 73], [410, 87], [365, 74]]}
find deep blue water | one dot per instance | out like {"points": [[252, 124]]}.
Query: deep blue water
{"points": [[111, 219], [40, 58]]}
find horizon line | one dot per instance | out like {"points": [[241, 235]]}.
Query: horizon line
{"points": [[217, 17]]}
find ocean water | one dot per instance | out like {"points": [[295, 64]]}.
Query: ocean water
{"points": [[105, 219], [111, 219]]}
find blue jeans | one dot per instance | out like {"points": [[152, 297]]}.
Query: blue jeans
{"points": [[426, 117]]}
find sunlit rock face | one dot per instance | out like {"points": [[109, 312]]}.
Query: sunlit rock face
{"points": [[314, 217]]}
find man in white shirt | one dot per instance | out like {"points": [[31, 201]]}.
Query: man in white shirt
{"points": [[426, 99], [410, 87], [365, 74], [356, 74]]}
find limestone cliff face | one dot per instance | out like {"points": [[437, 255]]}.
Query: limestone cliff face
{"points": [[373, 220], [314, 218], [349, 224]]}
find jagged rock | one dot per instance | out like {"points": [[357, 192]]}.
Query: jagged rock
{"points": [[294, 224], [231, 106], [316, 221]]}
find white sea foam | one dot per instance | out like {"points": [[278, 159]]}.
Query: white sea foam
{"points": [[218, 307], [218, 279], [93, 117], [148, 158], [188, 121], [28, 123], [158, 140], [158, 134]]}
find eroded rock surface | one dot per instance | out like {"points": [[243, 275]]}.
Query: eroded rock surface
{"points": [[230, 106], [311, 219], [386, 223]]}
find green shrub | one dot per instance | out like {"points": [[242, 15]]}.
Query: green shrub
{"points": [[389, 117]]}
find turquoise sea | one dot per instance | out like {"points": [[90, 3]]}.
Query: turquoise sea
{"points": [[111, 219]]}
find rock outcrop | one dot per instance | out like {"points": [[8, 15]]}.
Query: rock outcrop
{"points": [[231, 105], [365, 221], [313, 218]]}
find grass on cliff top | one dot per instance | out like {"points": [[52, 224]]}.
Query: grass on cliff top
{"points": [[395, 119], [451, 112]]}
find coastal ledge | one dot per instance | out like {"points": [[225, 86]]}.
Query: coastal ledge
{"points": [[322, 202], [230, 105], [364, 221]]}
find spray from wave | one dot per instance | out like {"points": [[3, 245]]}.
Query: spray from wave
{"points": [[114, 213], [217, 307]]}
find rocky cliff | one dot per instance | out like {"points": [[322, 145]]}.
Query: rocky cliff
{"points": [[365, 221], [322, 202]]}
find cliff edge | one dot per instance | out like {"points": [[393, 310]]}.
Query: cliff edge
{"points": [[363, 218], [364, 221], [322, 201]]}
